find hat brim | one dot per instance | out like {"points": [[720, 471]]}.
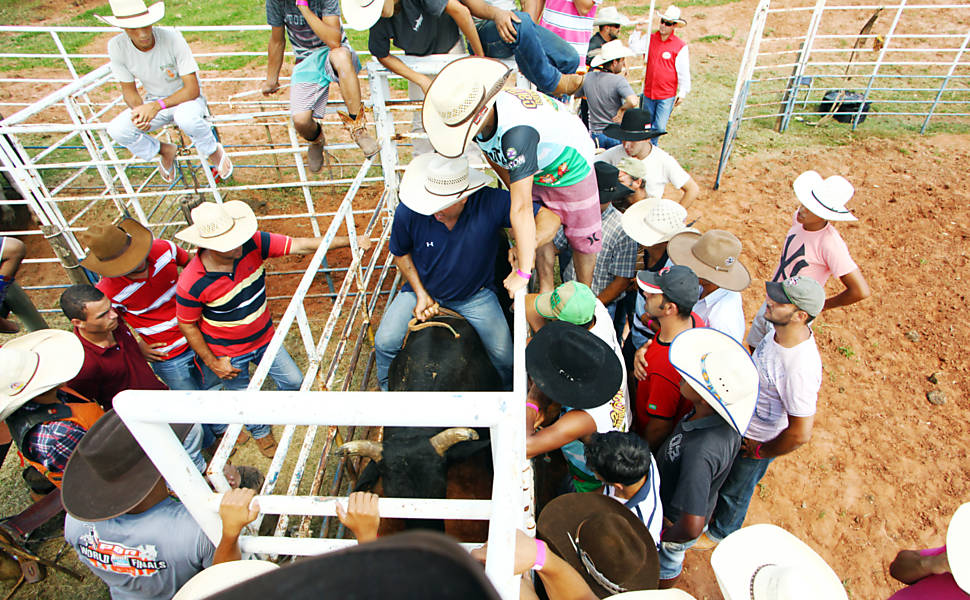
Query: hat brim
{"points": [[61, 358], [739, 555], [573, 394], [680, 250], [615, 131], [804, 185], [361, 17], [958, 546], [687, 350], [776, 292], [222, 576], [154, 14], [617, 193], [415, 196], [635, 225], [130, 259], [243, 228], [601, 60], [560, 518], [451, 141]]}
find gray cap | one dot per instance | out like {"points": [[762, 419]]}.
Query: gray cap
{"points": [[678, 283], [804, 292]]}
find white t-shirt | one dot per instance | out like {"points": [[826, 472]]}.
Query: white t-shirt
{"points": [[160, 70], [603, 329], [789, 380], [649, 509], [662, 168], [722, 310]]}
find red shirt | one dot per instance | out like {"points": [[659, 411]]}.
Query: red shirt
{"points": [[658, 396], [107, 371], [149, 304], [230, 307], [660, 80]]}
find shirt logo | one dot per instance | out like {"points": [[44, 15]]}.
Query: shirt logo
{"points": [[118, 558], [673, 448], [418, 21], [665, 55], [429, 244]]}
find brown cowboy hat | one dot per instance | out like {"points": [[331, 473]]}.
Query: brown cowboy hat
{"points": [[713, 256], [603, 540], [109, 473], [116, 249]]}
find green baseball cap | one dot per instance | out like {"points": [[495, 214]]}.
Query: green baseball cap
{"points": [[572, 302], [804, 292]]}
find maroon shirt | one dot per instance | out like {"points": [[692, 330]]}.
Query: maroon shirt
{"points": [[107, 371]]}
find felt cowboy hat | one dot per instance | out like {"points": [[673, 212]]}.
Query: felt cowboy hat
{"points": [[608, 183], [958, 546], [116, 250], [361, 14], [420, 564], [654, 220], [672, 15], [455, 105], [220, 227], [765, 562], [611, 51], [610, 16], [720, 370], [713, 255], [633, 127], [826, 198], [35, 363], [433, 182], [222, 576], [109, 474], [572, 366], [603, 540], [671, 594], [132, 14]]}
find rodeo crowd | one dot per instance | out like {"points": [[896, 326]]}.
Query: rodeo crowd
{"points": [[666, 414]]}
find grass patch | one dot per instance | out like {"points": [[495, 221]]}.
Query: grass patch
{"points": [[846, 351], [715, 37]]}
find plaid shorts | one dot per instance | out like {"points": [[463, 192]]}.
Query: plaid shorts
{"points": [[313, 96], [578, 206]]}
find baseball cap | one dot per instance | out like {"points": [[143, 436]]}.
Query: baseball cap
{"points": [[633, 167], [804, 292], [678, 283], [572, 302]]}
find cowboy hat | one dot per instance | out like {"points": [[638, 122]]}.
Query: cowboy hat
{"points": [[116, 249], [454, 107], [433, 182], [713, 256], [958, 546], [109, 474], [610, 16], [720, 370], [611, 51], [132, 14], [672, 14], [608, 183], [361, 14], [671, 594], [826, 198], [603, 540], [35, 363], [765, 562], [654, 220], [222, 576], [572, 366], [220, 227], [633, 127]]}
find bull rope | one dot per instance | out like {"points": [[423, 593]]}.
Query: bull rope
{"points": [[415, 325]]}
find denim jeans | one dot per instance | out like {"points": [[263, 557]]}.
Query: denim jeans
{"points": [[660, 112], [604, 141], [481, 310], [541, 55], [193, 445], [735, 496], [672, 558], [185, 372], [189, 116]]}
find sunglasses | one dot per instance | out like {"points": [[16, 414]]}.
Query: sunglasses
{"points": [[667, 23]]}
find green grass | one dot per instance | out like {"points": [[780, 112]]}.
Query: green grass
{"points": [[716, 37]]}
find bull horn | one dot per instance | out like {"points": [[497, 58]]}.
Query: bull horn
{"points": [[372, 450], [449, 437]]}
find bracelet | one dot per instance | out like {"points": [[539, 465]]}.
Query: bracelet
{"points": [[302, 3], [540, 555], [757, 452], [162, 103], [523, 274], [532, 405]]}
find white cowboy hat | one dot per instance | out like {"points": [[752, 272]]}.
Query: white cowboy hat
{"points": [[220, 227], [672, 14], [361, 14], [455, 105], [35, 363], [826, 198], [765, 562], [654, 220], [720, 370], [222, 576], [610, 16], [432, 182], [958, 546], [671, 594], [610, 51], [132, 14]]}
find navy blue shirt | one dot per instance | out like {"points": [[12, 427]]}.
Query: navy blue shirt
{"points": [[454, 264]]}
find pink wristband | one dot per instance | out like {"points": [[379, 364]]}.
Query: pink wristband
{"points": [[523, 274], [757, 452], [161, 103], [532, 405], [302, 3], [540, 555]]}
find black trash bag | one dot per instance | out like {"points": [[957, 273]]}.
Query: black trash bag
{"points": [[846, 109]]}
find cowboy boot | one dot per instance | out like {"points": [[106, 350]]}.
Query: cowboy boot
{"points": [[314, 153], [358, 133], [568, 84]]}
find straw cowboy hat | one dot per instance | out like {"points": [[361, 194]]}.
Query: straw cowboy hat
{"points": [[672, 14], [633, 127], [35, 363], [132, 14], [713, 256], [765, 562], [455, 105], [826, 198], [361, 14], [221, 577], [116, 249], [433, 182], [610, 16], [220, 227], [958, 547], [720, 370], [603, 540], [671, 594], [655, 220], [610, 51]]}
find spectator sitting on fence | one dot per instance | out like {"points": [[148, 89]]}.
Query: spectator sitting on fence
{"points": [[939, 573], [12, 253], [323, 55], [607, 91], [162, 61], [608, 22]]}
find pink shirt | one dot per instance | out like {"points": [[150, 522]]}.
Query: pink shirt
{"points": [[562, 18], [937, 587], [817, 254]]}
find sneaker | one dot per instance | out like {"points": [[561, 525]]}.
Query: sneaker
{"points": [[358, 133], [267, 445]]}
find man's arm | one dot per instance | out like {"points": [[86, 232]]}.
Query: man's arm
{"points": [[583, 6], [657, 432], [129, 91], [682, 66], [688, 527], [631, 101], [533, 8], [504, 19], [142, 115], [236, 510], [398, 66], [574, 425], [310, 245], [856, 289], [463, 18], [524, 232], [220, 365], [910, 566], [274, 60], [327, 29], [616, 287], [426, 306], [691, 191], [797, 434]]}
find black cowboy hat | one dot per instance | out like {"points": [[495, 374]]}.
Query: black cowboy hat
{"points": [[572, 366], [608, 182], [635, 127]]}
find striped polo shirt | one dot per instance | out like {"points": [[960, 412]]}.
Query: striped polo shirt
{"points": [[149, 304], [230, 307]]}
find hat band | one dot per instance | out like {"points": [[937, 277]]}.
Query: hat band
{"points": [[142, 13], [598, 577], [753, 577], [710, 388], [842, 210], [22, 386], [458, 181], [219, 234], [119, 253], [730, 260]]}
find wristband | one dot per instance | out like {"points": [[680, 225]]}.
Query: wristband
{"points": [[302, 3], [540, 555], [532, 405], [757, 452], [161, 103], [523, 274]]}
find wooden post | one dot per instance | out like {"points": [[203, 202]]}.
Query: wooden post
{"points": [[55, 236]]}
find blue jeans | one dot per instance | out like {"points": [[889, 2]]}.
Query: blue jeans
{"points": [[660, 112], [604, 141], [735, 496], [672, 558], [185, 372], [541, 55], [481, 310]]}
